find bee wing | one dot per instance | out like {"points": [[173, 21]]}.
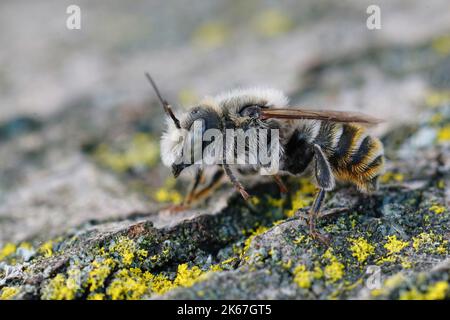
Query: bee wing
{"points": [[324, 115]]}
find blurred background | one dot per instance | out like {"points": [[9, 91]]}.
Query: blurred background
{"points": [[80, 126]]}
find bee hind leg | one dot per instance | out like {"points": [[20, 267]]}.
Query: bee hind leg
{"points": [[313, 214], [325, 180]]}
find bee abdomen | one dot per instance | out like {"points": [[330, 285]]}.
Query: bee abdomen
{"points": [[356, 157]]}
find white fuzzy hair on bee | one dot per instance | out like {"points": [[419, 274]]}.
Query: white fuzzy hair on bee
{"points": [[255, 95]]}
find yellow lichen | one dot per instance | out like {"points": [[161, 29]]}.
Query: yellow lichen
{"points": [[46, 249], [430, 243], [161, 284], [101, 269], [141, 151], [248, 241], [187, 277], [389, 177], [96, 296], [303, 277], [271, 23], [334, 270], [167, 195], [7, 250], [437, 98], [405, 262], [389, 284], [287, 265], [215, 267], [26, 245], [437, 291], [442, 248], [436, 118], [211, 34], [422, 240], [229, 260], [8, 293], [62, 287], [304, 197], [437, 209], [301, 239], [129, 284], [443, 134], [127, 250], [278, 222], [277, 203], [394, 245], [442, 45], [255, 201], [361, 249], [318, 272]]}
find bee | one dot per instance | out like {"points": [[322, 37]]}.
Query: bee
{"points": [[327, 146]]}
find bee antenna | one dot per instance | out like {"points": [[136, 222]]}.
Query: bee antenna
{"points": [[165, 104]]}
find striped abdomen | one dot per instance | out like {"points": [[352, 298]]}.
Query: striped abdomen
{"points": [[354, 156]]}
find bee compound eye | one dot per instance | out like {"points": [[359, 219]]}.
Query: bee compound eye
{"points": [[252, 111]]}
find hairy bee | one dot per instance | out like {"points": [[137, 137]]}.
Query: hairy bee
{"points": [[327, 146]]}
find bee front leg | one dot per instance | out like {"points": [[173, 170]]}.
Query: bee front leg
{"points": [[239, 187], [187, 201], [189, 197], [207, 190]]}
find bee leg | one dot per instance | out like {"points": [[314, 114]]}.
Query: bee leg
{"points": [[188, 198], [195, 196], [239, 187], [280, 183], [313, 214], [325, 180], [332, 212], [213, 185], [198, 177]]}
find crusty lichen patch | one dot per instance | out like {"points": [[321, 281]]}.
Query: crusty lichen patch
{"points": [[303, 197], [142, 151], [46, 249], [7, 250], [8, 293], [116, 272], [436, 291], [430, 243], [63, 287], [361, 249], [302, 277], [423, 287], [334, 270]]}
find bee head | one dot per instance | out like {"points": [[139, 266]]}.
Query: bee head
{"points": [[177, 143]]}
